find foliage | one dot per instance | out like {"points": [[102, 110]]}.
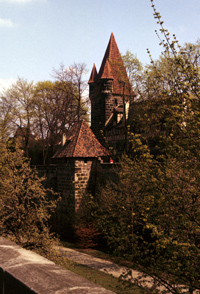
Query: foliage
{"points": [[6, 124], [151, 216], [54, 113], [86, 235], [85, 229], [25, 205], [37, 115], [17, 109], [134, 71], [167, 112]]}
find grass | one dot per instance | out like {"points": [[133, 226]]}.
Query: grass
{"points": [[105, 280]]}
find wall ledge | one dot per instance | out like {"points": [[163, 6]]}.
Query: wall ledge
{"points": [[25, 272]]}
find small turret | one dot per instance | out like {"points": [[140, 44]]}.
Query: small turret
{"points": [[92, 81]]}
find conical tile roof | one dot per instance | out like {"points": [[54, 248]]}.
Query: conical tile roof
{"points": [[107, 71], [112, 54], [93, 76], [117, 68], [112, 67]]}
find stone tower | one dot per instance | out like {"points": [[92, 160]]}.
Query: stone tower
{"points": [[78, 160], [108, 89]]}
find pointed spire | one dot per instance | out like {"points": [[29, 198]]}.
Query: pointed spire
{"points": [[107, 71], [112, 53], [94, 75], [112, 67]]}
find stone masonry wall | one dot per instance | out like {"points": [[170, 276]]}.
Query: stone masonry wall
{"points": [[85, 177], [66, 207], [61, 178], [102, 104], [70, 179]]}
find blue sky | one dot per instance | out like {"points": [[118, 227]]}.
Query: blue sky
{"points": [[38, 35]]}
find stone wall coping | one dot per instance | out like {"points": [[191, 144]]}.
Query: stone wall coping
{"points": [[23, 272]]}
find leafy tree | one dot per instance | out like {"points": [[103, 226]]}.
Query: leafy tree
{"points": [[167, 112], [55, 112], [150, 215], [85, 229], [38, 115], [25, 205], [134, 71]]}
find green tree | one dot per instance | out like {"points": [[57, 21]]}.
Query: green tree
{"points": [[150, 214], [37, 115], [25, 205], [85, 229], [134, 69], [55, 112], [167, 112]]}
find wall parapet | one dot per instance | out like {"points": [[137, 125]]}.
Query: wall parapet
{"points": [[25, 272]]}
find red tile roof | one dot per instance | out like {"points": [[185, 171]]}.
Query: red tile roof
{"points": [[107, 71], [112, 54], [94, 75], [81, 142], [112, 67]]}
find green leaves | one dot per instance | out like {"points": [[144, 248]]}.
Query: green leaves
{"points": [[25, 204], [150, 213], [151, 216], [134, 71]]}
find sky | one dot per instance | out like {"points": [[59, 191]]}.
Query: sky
{"points": [[40, 35]]}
